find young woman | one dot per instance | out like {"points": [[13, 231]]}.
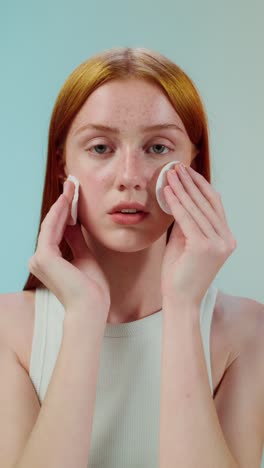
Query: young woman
{"points": [[120, 351]]}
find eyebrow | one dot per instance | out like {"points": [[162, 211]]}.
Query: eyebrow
{"points": [[114, 130]]}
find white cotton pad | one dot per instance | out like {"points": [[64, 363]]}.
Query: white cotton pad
{"points": [[74, 201], [161, 183]]}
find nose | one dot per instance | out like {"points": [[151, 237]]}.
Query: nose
{"points": [[133, 170]]}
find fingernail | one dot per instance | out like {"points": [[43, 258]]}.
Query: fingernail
{"points": [[182, 168], [171, 172]]}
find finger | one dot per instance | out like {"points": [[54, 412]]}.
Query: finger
{"points": [[206, 188], [53, 225], [187, 224], [199, 200], [69, 189], [189, 206]]}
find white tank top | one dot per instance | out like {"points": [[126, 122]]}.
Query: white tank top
{"points": [[125, 429]]}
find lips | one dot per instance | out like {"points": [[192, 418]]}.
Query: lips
{"points": [[129, 218], [129, 206]]}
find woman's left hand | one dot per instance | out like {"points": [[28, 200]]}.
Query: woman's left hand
{"points": [[200, 241]]}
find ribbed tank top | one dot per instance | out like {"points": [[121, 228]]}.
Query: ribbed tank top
{"points": [[126, 420]]}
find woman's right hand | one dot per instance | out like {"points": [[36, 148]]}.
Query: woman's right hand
{"points": [[77, 283]]}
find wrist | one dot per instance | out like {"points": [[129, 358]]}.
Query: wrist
{"points": [[82, 317], [180, 307]]}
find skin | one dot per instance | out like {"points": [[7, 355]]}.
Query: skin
{"points": [[126, 168]]}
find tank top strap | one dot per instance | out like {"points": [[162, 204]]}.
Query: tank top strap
{"points": [[206, 317], [39, 337], [48, 328]]}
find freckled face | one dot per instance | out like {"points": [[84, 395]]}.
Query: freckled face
{"points": [[113, 167]]}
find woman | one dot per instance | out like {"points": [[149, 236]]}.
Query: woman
{"points": [[128, 355]]}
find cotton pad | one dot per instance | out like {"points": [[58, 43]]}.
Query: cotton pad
{"points": [[161, 183], [74, 201]]}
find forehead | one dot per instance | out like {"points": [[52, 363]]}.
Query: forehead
{"points": [[127, 102]]}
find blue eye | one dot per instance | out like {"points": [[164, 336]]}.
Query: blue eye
{"points": [[102, 145], [162, 146], [96, 146]]}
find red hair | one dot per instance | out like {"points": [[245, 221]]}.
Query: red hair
{"points": [[120, 63]]}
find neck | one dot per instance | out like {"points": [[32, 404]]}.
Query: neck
{"points": [[134, 279]]}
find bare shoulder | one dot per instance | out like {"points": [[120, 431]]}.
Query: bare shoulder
{"points": [[238, 319], [235, 321], [17, 311], [239, 396]]}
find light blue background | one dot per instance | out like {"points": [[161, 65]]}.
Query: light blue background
{"points": [[220, 46]]}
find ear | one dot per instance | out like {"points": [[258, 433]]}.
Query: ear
{"points": [[194, 159], [193, 164], [60, 166]]}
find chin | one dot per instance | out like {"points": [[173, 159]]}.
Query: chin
{"points": [[133, 243]]}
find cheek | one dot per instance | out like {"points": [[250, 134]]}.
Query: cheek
{"points": [[92, 195]]}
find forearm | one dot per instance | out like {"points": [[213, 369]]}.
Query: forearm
{"points": [[62, 433], [190, 432]]}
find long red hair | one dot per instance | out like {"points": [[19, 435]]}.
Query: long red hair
{"points": [[120, 63]]}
